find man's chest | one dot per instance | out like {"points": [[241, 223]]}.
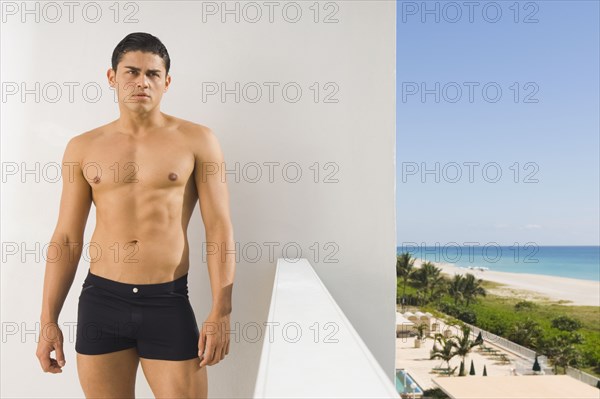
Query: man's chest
{"points": [[152, 163]]}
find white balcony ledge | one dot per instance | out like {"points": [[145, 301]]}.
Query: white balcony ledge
{"points": [[312, 350]]}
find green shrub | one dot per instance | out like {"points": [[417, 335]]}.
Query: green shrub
{"points": [[566, 323], [524, 305], [468, 316], [435, 393], [460, 312], [495, 324]]}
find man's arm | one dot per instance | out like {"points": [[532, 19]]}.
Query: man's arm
{"points": [[67, 240], [64, 252], [214, 208]]}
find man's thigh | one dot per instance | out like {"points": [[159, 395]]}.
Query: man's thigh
{"points": [[176, 378], [109, 375]]}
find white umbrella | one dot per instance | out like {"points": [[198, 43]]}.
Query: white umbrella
{"points": [[401, 320]]}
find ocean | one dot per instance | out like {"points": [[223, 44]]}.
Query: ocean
{"points": [[580, 262]]}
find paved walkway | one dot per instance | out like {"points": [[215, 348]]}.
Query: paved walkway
{"points": [[416, 360]]}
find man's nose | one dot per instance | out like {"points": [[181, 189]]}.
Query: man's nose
{"points": [[142, 82]]}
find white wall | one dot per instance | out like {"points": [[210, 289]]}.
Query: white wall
{"points": [[352, 220]]}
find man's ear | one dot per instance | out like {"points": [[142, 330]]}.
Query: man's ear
{"points": [[110, 74], [167, 82]]}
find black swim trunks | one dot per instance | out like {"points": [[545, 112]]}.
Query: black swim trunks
{"points": [[157, 319]]}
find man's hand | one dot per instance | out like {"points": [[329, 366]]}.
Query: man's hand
{"points": [[51, 339], [214, 339]]}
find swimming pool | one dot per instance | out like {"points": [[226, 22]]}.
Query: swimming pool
{"points": [[405, 384]]}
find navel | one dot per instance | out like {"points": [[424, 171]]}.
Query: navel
{"points": [[172, 176]]}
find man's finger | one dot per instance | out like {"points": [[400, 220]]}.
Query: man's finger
{"points": [[223, 352], [201, 343], [204, 352], [208, 353], [54, 367], [45, 362], [60, 354], [217, 353], [220, 352]]}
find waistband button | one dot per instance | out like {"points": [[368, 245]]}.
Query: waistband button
{"points": [[135, 289]]}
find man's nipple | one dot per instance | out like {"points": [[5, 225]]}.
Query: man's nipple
{"points": [[96, 179], [172, 176]]}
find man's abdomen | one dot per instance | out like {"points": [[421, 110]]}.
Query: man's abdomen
{"points": [[144, 257]]}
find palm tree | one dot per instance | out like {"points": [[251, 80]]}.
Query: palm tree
{"points": [[472, 288], [560, 352], [455, 288], [461, 371], [420, 329], [428, 277], [404, 269], [438, 289], [464, 344], [445, 352], [419, 280]]}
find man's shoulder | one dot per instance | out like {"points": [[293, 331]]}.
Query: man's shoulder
{"points": [[200, 138], [77, 144], [193, 129], [87, 136]]}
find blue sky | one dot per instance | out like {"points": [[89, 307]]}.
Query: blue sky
{"points": [[543, 126]]}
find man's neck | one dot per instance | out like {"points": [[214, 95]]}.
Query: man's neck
{"points": [[140, 123]]}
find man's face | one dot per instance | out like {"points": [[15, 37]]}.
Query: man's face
{"points": [[139, 80]]}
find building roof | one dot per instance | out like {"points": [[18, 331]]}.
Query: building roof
{"points": [[513, 387]]}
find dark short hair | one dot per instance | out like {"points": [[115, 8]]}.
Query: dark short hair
{"points": [[141, 41]]}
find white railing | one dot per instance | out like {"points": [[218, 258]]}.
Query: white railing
{"points": [[503, 342], [528, 355], [311, 349], [583, 376]]}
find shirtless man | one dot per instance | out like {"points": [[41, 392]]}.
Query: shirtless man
{"points": [[144, 172]]}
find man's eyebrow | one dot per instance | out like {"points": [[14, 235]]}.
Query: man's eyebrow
{"points": [[138, 69]]}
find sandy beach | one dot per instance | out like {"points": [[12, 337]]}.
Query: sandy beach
{"points": [[533, 286]]}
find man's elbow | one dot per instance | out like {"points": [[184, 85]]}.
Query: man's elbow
{"points": [[221, 226], [65, 237]]}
